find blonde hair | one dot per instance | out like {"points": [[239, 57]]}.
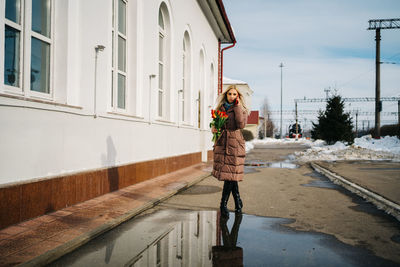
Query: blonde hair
{"points": [[222, 98]]}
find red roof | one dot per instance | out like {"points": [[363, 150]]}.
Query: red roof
{"points": [[253, 117]]}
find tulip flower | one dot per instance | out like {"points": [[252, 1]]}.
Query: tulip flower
{"points": [[219, 119]]}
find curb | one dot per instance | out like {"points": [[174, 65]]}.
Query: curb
{"points": [[379, 201], [73, 244]]}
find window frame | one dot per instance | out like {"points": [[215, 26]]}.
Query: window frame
{"points": [[187, 74], [25, 88], [184, 79], [161, 89], [211, 85], [20, 27], [115, 71]]}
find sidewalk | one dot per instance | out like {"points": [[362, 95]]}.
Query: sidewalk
{"points": [[378, 182], [39, 241]]}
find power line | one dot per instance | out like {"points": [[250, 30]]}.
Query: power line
{"points": [[313, 112], [347, 99]]}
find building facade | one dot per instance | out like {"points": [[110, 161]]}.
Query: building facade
{"points": [[96, 95]]}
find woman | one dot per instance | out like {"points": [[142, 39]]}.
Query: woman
{"points": [[229, 149]]}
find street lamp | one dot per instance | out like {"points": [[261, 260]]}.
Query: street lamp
{"points": [[280, 131]]}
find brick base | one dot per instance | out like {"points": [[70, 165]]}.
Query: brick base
{"points": [[25, 201]]}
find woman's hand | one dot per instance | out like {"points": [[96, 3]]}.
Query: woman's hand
{"points": [[237, 102], [213, 130]]}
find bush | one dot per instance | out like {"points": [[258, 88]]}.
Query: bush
{"points": [[391, 130], [247, 135]]}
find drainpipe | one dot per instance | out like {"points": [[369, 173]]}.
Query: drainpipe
{"points": [[222, 63]]}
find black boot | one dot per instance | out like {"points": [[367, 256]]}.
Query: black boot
{"points": [[226, 191], [236, 197]]}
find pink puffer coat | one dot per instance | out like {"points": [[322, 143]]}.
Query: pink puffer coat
{"points": [[229, 150]]}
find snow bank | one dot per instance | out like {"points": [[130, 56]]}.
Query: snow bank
{"points": [[387, 143], [364, 148]]}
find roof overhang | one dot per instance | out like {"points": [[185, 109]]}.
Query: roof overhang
{"points": [[214, 11]]}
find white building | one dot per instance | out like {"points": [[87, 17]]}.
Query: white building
{"points": [[97, 95]]}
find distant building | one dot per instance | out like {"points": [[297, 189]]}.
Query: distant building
{"points": [[97, 95], [252, 123]]}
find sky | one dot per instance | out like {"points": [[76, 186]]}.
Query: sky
{"points": [[322, 44]]}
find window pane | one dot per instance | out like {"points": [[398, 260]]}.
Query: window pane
{"points": [[122, 17], [160, 48], [121, 53], [160, 20], [160, 76], [121, 91], [113, 13], [41, 17], [40, 66], [184, 66], [11, 56], [112, 49], [13, 9], [160, 100], [112, 88]]}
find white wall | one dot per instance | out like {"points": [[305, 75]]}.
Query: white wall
{"points": [[39, 140]]}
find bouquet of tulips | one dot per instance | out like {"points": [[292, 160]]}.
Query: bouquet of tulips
{"points": [[219, 118]]}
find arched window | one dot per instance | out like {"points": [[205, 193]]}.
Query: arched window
{"points": [[163, 59], [201, 87], [211, 86], [186, 75]]}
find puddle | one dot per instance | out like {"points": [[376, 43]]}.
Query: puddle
{"points": [[321, 182], [283, 165], [202, 238], [261, 164]]}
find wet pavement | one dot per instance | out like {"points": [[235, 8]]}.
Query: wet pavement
{"points": [[381, 177], [293, 216], [173, 237]]}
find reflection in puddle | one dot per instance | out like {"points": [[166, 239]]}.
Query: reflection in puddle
{"points": [[203, 238]]}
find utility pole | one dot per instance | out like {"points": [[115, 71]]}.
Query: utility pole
{"points": [[356, 123], [398, 115], [297, 126], [265, 121], [377, 25], [327, 90], [280, 131]]}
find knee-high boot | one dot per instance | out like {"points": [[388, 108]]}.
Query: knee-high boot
{"points": [[226, 191], [236, 197]]}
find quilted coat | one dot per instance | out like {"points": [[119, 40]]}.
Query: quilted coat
{"points": [[229, 150]]}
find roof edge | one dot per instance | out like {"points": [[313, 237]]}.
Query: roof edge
{"points": [[221, 8]]}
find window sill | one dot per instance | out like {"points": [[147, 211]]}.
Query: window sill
{"points": [[28, 99], [164, 121], [124, 115]]}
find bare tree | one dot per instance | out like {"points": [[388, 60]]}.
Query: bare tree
{"points": [[266, 126]]}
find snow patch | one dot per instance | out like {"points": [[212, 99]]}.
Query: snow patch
{"points": [[364, 148]]}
